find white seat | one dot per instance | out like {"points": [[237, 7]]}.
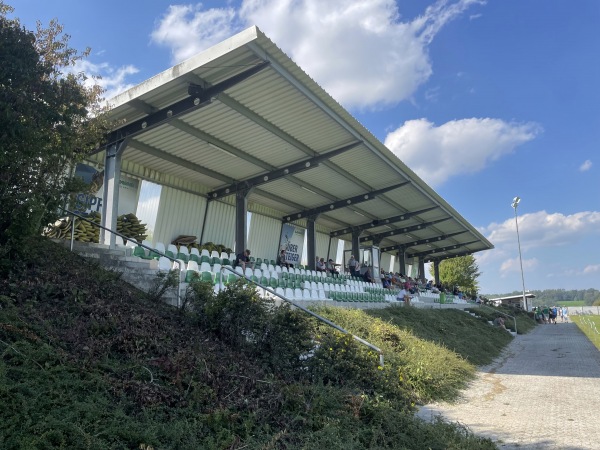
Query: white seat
{"points": [[215, 254], [119, 241], [231, 257], [271, 268], [147, 243], [258, 273], [160, 247], [224, 255], [194, 251], [216, 268], [205, 267], [264, 267], [249, 272], [298, 294], [279, 291], [164, 263], [284, 269], [204, 252], [322, 295], [289, 293], [313, 285], [302, 272], [183, 249], [314, 294], [320, 285], [297, 271], [277, 269], [193, 265], [313, 273], [336, 287], [172, 248], [274, 274], [239, 270], [306, 294]]}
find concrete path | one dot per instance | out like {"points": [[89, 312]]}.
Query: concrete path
{"points": [[543, 393]]}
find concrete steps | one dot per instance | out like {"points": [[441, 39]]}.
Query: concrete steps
{"points": [[141, 273]]}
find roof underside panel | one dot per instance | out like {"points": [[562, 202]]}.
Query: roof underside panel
{"points": [[268, 121]]}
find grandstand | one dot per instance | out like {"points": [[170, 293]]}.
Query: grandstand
{"points": [[241, 128]]}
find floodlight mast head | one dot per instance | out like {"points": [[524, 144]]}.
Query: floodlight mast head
{"points": [[515, 202]]}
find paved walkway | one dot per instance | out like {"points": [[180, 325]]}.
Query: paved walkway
{"points": [[543, 393]]}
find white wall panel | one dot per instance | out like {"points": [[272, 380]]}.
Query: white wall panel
{"points": [[263, 239], [385, 261], [220, 225], [179, 213], [322, 245], [333, 248]]}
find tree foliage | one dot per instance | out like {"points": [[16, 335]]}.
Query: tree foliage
{"points": [[50, 118], [461, 272]]}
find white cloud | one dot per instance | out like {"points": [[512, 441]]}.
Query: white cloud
{"points": [[587, 165], [358, 50], [513, 265], [540, 229], [457, 147], [595, 268], [112, 80], [188, 29]]}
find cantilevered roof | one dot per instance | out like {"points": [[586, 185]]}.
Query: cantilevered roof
{"points": [[242, 114]]}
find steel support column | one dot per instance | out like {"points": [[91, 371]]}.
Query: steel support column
{"points": [[241, 214], [356, 244], [110, 203], [422, 269], [402, 261], [436, 271], [311, 241]]}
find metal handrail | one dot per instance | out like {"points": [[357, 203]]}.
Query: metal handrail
{"points": [[127, 238], [500, 312], [308, 311]]}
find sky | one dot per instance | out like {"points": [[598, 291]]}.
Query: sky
{"points": [[484, 100]]}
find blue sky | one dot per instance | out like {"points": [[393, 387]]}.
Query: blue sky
{"points": [[485, 100]]}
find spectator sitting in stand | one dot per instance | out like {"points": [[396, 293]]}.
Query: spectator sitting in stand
{"points": [[243, 259], [387, 281], [368, 277], [321, 265], [330, 267], [281, 260]]}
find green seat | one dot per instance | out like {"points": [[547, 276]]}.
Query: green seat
{"points": [[194, 257], [205, 258], [273, 262], [184, 257], [255, 279], [215, 260], [292, 276], [230, 278], [284, 275], [274, 283], [191, 275], [225, 262], [141, 253], [258, 261], [264, 281], [207, 277], [170, 254]]}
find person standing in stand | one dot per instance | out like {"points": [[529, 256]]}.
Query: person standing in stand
{"points": [[352, 264]]}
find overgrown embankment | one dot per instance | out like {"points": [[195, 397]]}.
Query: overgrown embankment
{"points": [[88, 362]]}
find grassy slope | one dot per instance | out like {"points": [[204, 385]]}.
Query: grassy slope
{"points": [[87, 362], [583, 322]]}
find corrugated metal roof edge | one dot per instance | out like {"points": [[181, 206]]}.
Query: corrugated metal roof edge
{"points": [[187, 66], [274, 51]]}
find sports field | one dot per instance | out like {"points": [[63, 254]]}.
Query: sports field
{"points": [[590, 325]]}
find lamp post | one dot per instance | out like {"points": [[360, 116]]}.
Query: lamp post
{"points": [[514, 204]]}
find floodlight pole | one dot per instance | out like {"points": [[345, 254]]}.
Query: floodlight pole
{"points": [[514, 204]]}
